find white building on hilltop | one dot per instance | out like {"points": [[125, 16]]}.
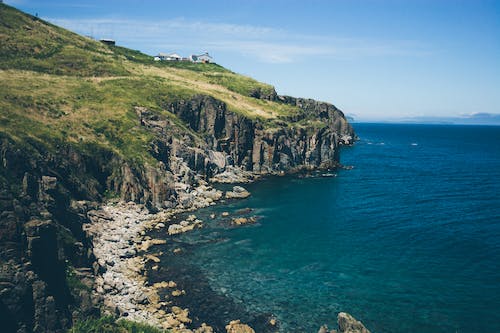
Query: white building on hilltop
{"points": [[203, 58], [168, 57]]}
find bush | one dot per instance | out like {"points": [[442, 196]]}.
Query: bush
{"points": [[108, 324]]}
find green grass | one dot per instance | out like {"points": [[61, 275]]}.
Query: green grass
{"points": [[58, 87], [195, 67], [65, 108], [238, 83], [110, 325], [73, 282], [29, 43]]}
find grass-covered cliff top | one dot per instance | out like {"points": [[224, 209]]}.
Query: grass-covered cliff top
{"points": [[56, 85]]}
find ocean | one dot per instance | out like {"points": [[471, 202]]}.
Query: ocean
{"points": [[408, 240]]}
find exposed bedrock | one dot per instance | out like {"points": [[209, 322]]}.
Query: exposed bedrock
{"points": [[265, 147], [46, 189]]}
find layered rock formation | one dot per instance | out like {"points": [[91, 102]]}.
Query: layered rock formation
{"points": [[253, 145], [41, 222]]}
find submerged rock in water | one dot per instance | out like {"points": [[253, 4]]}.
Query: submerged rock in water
{"points": [[204, 328], [243, 220], [236, 326], [189, 224]]}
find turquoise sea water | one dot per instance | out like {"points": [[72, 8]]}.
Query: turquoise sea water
{"points": [[406, 241]]}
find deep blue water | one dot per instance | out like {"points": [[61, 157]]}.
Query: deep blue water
{"points": [[406, 241]]}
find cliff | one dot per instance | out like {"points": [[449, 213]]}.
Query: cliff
{"points": [[82, 122]]}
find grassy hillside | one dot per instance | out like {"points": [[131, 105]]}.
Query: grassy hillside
{"points": [[58, 86]]}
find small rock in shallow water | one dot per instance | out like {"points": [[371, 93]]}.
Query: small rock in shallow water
{"points": [[177, 293], [153, 258], [243, 220], [236, 326], [238, 192], [174, 229], [348, 324], [204, 329]]}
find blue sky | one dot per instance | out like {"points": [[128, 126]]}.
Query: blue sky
{"points": [[376, 60]]}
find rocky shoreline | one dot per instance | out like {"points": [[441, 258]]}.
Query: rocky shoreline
{"points": [[117, 232], [119, 235]]}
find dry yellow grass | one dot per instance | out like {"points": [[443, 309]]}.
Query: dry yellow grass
{"points": [[247, 105]]}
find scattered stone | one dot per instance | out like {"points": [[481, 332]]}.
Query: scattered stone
{"points": [[181, 315], [212, 216], [243, 220], [177, 250], [171, 322], [204, 328], [160, 285], [244, 211], [142, 299], [115, 233], [128, 253], [176, 310], [272, 322], [153, 258], [185, 226], [174, 229], [177, 293], [145, 245], [225, 214], [233, 175]]}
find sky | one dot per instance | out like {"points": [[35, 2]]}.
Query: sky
{"points": [[375, 60]]}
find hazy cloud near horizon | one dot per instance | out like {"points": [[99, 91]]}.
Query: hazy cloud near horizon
{"points": [[268, 45]]}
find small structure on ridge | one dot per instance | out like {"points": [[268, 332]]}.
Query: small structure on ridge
{"points": [[107, 41]]}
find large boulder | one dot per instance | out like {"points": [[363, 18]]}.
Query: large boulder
{"points": [[348, 324], [238, 192]]}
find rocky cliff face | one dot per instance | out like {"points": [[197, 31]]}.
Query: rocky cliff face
{"points": [[282, 146], [46, 261], [38, 232]]}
